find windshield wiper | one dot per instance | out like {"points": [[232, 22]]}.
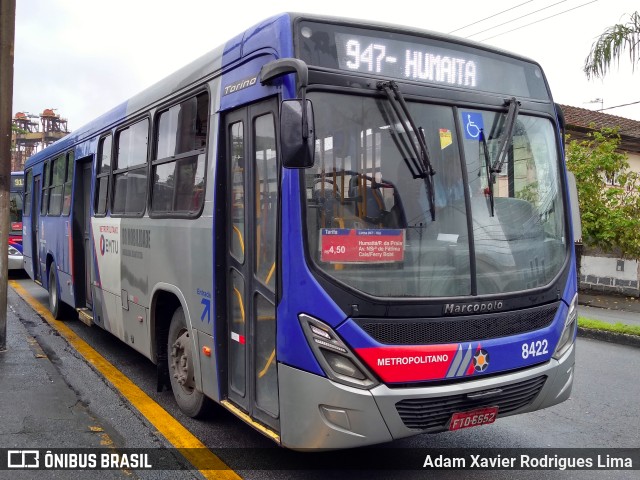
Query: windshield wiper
{"points": [[418, 145], [506, 137], [487, 165]]}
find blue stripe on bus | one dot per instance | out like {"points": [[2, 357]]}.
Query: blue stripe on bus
{"points": [[302, 294]]}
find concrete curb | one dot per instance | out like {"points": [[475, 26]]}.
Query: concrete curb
{"points": [[612, 337]]}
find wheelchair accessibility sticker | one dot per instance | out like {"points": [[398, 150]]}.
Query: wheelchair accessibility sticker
{"points": [[472, 124]]}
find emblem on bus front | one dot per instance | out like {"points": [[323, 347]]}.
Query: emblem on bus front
{"points": [[466, 308], [481, 360]]}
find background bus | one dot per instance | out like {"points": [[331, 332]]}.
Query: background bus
{"points": [[15, 220], [344, 233]]}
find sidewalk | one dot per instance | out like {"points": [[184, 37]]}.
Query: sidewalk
{"points": [[592, 298], [52, 399], [39, 409]]}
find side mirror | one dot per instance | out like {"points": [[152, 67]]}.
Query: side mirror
{"points": [[297, 134]]}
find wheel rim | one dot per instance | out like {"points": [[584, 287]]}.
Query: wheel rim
{"points": [[181, 361]]}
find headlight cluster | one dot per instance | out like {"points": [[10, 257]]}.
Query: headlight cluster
{"points": [[569, 332], [336, 359], [14, 251]]}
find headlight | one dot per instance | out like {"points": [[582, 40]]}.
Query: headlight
{"points": [[336, 359], [569, 332], [14, 251]]}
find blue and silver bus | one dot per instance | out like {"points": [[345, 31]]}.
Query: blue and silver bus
{"points": [[15, 221], [345, 233]]}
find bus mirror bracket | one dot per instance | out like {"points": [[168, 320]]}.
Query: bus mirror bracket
{"points": [[297, 132], [562, 123]]}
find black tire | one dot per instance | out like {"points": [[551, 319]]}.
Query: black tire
{"points": [[55, 306], [181, 372]]}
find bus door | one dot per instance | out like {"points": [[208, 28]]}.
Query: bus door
{"points": [[35, 220], [82, 255], [251, 225]]}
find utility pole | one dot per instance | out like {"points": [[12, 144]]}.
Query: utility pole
{"points": [[7, 33]]}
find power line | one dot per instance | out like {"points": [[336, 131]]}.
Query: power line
{"points": [[538, 21], [518, 18], [491, 16], [618, 106]]}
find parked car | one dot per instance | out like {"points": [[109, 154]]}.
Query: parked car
{"points": [[15, 253]]}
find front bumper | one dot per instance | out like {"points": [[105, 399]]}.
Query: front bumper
{"points": [[317, 413]]}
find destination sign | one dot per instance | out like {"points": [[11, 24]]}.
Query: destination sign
{"points": [[441, 61], [397, 59], [17, 183]]}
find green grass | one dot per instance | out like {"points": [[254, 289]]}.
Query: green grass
{"points": [[609, 327]]}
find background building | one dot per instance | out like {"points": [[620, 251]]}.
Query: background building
{"points": [[599, 270], [32, 133]]}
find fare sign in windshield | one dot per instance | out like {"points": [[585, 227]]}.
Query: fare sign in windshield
{"points": [[346, 245]]}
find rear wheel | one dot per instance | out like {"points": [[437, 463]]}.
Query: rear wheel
{"points": [[54, 294], [180, 357]]}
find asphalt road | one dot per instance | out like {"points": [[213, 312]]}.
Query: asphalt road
{"points": [[602, 412]]}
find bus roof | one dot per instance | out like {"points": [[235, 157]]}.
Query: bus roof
{"points": [[260, 36]]}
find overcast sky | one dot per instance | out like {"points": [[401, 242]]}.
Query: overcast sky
{"points": [[83, 57]]}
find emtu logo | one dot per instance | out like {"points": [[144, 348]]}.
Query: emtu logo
{"points": [[108, 246]]}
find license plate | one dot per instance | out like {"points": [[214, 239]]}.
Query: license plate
{"points": [[473, 418]]}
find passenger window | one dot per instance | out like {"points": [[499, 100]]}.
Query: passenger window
{"points": [[56, 178], [130, 175], [44, 201], [179, 166], [66, 202], [27, 195], [102, 180]]}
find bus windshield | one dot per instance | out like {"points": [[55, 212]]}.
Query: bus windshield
{"points": [[369, 223], [15, 212]]}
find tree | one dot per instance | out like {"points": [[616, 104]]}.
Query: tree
{"points": [[608, 193], [611, 44]]}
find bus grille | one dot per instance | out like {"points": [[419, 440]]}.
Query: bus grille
{"points": [[458, 329], [434, 413]]}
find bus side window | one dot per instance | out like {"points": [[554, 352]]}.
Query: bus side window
{"points": [[179, 166], [27, 194], [102, 181], [130, 172], [56, 181], [66, 190], [44, 201]]}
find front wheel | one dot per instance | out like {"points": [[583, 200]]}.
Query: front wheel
{"points": [[181, 372], [54, 294]]}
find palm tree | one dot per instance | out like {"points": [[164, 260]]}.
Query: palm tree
{"points": [[610, 45]]}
